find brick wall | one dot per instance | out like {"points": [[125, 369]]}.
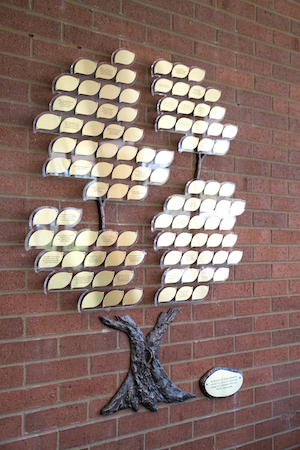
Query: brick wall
{"points": [[60, 367]]}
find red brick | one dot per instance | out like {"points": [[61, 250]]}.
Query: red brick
{"points": [[253, 30], [18, 115], [10, 427], [56, 324], [214, 54], [270, 427], [294, 189], [232, 290], [234, 437], [233, 326], [88, 387], [287, 439], [28, 303], [294, 350], [149, 15], [285, 139], [270, 322], [58, 54], [183, 25], [48, 440], [234, 77], [236, 361], [215, 17], [262, 202], [269, 87], [11, 328], [294, 107], [285, 270], [249, 167], [72, 13], [286, 303], [19, 400], [175, 6], [212, 310], [41, 187], [56, 370], [294, 287], [214, 423], [254, 413], [14, 90], [271, 356], [270, 253], [169, 41], [106, 5], [89, 39], [284, 107], [265, 444], [252, 341], [220, 164], [122, 444], [9, 185], [288, 237], [287, 9], [86, 434], [168, 436], [192, 331], [251, 307], [237, 113], [9, 134], [30, 23], [205, 349], [264, 288], [51, 418], [238, 8], [270, 153], [173, 352], [253, 99], [28, 350], [21, 3], [295, 386], [271, 391], [289, 336], [254, 236], [286, 405], [273, 20], [257, 376], [132, 423], [106, 24], [236, 42], [11, 376], [269, 120], [287, 370], [191, 369], [286, 74], [251, 272], [196, 444], [244, 398], [14, 255], [285, 171], [269, 219], [9, 278], [88, 343], [253, 65]]}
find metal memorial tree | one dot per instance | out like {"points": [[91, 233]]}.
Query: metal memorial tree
{"points": [[92, 113]]}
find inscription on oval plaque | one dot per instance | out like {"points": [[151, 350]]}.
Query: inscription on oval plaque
{"points": [[221, 382]]}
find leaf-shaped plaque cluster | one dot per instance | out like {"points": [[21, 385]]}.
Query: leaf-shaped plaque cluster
{"points": [[195, 228]]}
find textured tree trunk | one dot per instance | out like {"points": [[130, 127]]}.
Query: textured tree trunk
{"points": [[146, 383]]}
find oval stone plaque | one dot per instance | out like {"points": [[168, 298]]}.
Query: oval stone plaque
{"points": [[221, 382]]}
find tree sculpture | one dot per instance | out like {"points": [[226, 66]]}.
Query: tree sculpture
{"points": [[146, 382]]}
